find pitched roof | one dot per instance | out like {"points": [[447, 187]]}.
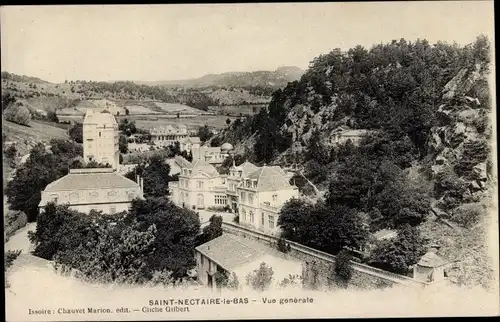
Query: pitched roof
{"points": [[182, 162], [80, 179], [96, 117], [246, 168], [270, 178], [205, 167], [385, 234], [230, 251], [193, 139], [431, 259]]}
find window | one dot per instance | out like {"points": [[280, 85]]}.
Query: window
{"points": [[251, 216], [262, 219], [220, 200], [200, 184], [54, 198], [99, 134], [244, 214], [250, 198], [271, 221], [202, 260], [275, 198]]}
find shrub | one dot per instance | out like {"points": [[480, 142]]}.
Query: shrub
{"points": [[291, 280], [342, 270], [224, 280], [76, 132], [14, 220], [9, 258], [18, 114], [283, 246], [469, 214], [260, 279], [11, 152]]}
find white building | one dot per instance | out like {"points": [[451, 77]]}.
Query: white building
{"points": [[100, 138], [190, 143], [342, 136], [100, 189], [199, 186], [168, 135], [261, 194], [236, 175]]}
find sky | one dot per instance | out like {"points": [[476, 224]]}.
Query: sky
{"points": [[171, 42]]}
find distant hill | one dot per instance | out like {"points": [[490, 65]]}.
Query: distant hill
{"points": [[270, 79], [22, 78]]}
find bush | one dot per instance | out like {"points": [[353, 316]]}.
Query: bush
{"points": [[342, 271], [467, 215], [18, 114], [261, 278], [9, 258], [13, 221], [11, 152], [283, 246], [76, 132]]}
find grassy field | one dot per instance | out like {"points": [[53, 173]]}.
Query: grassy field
{"points": [[217, 121], [237, 110], [36, 132]]}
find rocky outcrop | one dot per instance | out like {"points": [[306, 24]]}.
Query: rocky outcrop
{"points": [[461, 121]]}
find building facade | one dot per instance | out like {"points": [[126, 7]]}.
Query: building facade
{"points": [[164, 136], [199, 186], [100, 138], [100, 189], [261, 195]]}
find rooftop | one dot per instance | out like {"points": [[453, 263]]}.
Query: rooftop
{"points": [[182, 162], [431, 259], [81, 179], [231, 252], [246, 168], [201, 165], [270, 178], [96, 117]]}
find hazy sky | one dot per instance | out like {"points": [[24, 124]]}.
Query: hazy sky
{"points": [[162, 42]]}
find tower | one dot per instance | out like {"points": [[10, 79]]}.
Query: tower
{"points": [[100, 138]]}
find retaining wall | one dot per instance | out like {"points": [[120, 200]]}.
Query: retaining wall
{"points": [[317, 265]]}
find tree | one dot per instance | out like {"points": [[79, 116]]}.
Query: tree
{"points": [[40, 169], [342, 271], [400, 254], [127, 112], [213, 230], [228, 121], [76, 132], [7, 100], [123, 144], [17, 113], [176, 232], [260, 279], [155, 173], [204, 133], [52, 116], [316, 150]]}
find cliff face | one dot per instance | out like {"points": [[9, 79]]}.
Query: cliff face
{"points": [[460, 143]]}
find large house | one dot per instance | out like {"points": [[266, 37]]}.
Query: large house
{"points": [[168, 135], [100, 138], [100, 189], [241, 256], [236, 175], [262, 193], [199, 186]]}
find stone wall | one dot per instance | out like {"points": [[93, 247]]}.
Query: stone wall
{"points": [[317, 266]]}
